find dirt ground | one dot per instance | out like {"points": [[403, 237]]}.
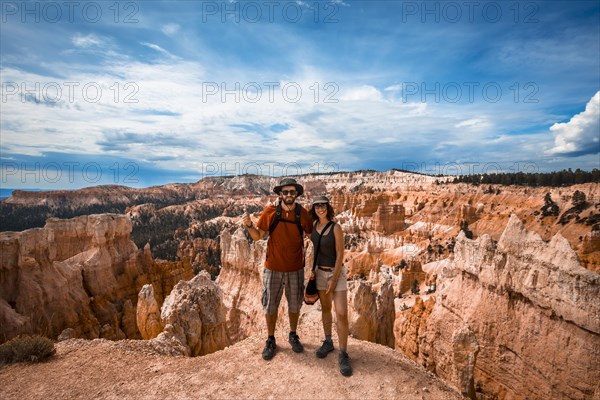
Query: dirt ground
{"points": [[101, 369]]}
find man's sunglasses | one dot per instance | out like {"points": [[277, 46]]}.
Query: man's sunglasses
{"points": [[288, 192]]}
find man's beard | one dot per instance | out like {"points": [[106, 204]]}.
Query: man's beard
{"points": [[289, 200]]}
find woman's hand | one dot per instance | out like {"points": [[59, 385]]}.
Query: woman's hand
{"points": [[331, 284]]}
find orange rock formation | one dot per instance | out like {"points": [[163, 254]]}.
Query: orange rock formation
{"points": [[519, 318], [83, 273]]}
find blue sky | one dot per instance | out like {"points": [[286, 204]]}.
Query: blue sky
{"points": [[147, 93]]}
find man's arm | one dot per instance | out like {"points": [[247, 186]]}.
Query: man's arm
{"points": [[255, 233]]}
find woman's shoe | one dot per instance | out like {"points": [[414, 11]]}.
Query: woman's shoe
{"points": [[345, 367]]}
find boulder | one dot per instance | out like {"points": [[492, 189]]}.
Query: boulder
{"points": [[194, 316]]}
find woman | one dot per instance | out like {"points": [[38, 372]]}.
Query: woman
{"points": [[331, 279]]}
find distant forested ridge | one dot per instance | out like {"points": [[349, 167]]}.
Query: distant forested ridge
{"points": [[16, 217], [550, 179]]}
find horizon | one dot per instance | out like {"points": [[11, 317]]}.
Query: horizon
{"points": [[5, 190], [151, 93]]}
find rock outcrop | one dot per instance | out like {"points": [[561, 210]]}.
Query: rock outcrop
{"points": [[410, 325], [241, 281], [413, 272], [193, 317], [83, 273], [468, 213], [371, 310], [515, 319], [389, 218], [148, 313]]}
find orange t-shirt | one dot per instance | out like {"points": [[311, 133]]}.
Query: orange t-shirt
{"points": [[285, 250]]}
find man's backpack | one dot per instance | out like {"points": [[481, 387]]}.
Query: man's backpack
{"points": [[296, 221]]}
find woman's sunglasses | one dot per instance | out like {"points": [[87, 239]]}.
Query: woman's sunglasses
{"points": [[320, 205]]}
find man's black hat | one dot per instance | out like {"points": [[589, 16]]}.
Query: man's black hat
{"points": [[289, 182]]}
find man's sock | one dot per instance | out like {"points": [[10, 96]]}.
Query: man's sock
{"points": [[271, 337], [328, 338]]}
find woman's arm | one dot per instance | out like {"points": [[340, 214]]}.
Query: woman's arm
{"points": [[339, 256]]}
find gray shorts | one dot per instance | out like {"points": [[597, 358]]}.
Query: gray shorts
{"points": [[323, 278], [273, 284]]}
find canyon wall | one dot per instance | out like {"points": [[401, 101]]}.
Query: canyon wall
{"points": [[371, 310], [84, 273], [241, 281], [513, 319]]}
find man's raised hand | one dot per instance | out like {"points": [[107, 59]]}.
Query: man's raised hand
{"points": [[246, 218]]}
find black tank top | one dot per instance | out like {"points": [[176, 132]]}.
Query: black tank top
{"points": [[327, 252]]}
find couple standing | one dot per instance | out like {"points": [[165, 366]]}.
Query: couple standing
{"points": [[284, 267]]}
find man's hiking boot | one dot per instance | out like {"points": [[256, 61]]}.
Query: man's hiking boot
{"points": [[345, 367], [295, 342], [269, 350], [325, 348]]}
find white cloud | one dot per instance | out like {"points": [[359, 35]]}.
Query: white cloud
{"points": [[86, 41], [170, 29], [474, 124], [581, 135], [158, 48], [386, 140], [341, 2], [318, 130], [364, 92]]}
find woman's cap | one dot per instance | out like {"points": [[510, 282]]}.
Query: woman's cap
{"points": [[320, 200]]}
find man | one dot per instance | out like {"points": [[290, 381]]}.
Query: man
{"points": [[284, 265]]}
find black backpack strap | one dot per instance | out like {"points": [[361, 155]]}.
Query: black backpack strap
{"points": [[298, 223], [276, 219]]}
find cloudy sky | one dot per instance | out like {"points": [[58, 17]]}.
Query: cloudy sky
{"points": [[147, 93]]}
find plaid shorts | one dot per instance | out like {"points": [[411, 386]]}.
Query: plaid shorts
{"points": [[273, 285]]}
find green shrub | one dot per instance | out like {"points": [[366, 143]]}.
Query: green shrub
{"points": [[26, 348]]}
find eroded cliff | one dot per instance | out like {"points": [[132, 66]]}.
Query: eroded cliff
{"points": [[517, 318], [84, 273]]}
